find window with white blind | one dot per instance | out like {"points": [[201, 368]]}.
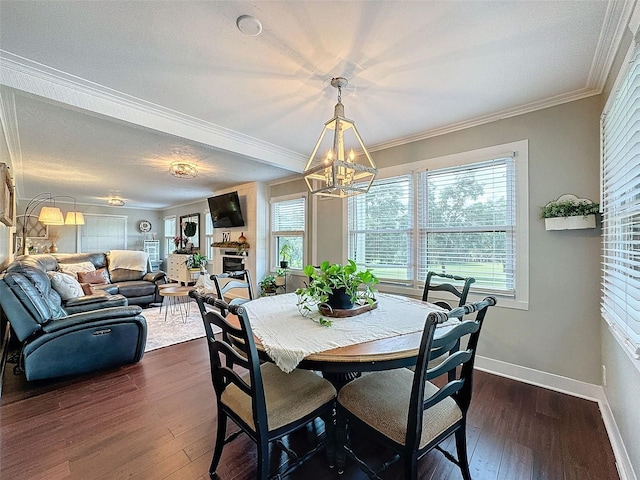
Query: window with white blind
{"points": [[101, 233], [288, 220], [621, 208], [464, 214], [208, 237], [467, 223], [169, 233]]}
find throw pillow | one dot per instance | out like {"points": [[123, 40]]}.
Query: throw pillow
{"points": [[125, 275], [73, 268], [66, 286], [95, 277]]}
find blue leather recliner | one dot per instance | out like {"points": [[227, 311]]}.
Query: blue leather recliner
{"points": [[58, 343]]}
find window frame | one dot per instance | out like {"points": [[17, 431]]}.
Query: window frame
{"points": [[616, 325], [519, 150], [169, 238], [274, 254], [102, 216]]}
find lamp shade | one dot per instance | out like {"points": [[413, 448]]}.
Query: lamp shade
{"points": [[51, 216], [74, 218]]}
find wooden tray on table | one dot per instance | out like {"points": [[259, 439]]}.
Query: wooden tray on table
{"points": [[327, 311]]}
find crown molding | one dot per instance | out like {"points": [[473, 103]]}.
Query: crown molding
{"points": [[38, 79]]}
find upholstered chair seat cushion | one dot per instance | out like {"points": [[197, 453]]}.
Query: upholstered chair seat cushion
{"points": [[381, 400], [289, 396]]}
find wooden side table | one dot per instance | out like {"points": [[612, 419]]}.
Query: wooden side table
{"points": [[177, 300]]}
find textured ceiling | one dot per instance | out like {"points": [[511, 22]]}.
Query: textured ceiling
{"points": [[98, 98]]}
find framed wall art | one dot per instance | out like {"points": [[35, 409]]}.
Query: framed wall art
{"points": [[35, 229], [7, 201]]}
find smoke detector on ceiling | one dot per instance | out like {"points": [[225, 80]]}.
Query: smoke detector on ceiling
{"points": [[249, 25]]}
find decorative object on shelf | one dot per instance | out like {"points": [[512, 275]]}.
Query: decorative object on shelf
{"points": [[180, 243], [339, 174], [242, 238], [7, 202], [115, 202], [144, 226], [183, 170], [339, 286], [50, 214], [285, 255], [197, 261], [268, 286], [569, 212], [54, 236]]}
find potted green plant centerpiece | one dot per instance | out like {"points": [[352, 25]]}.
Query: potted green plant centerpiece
{"points": [[569, 212], [268, 285], [339, 286], [285, 255], [196, 261], [281, 277]]}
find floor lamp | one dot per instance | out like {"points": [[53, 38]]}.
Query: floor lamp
{"points": [[49, 214]]}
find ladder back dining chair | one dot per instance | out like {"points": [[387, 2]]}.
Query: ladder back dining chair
{"points": [[264, 402], [461, 292], [406, 412], [236, 281]]}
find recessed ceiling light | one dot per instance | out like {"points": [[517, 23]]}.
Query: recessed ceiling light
{"points": [[249, 25]]}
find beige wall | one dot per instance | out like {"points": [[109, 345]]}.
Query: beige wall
{"points": [[560, 333]]}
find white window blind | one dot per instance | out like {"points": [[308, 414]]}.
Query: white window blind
{"points": [[381, 228], [467, 223], [169, 234], [208, 236], [288, 227], [101, 233], [621, 210]]}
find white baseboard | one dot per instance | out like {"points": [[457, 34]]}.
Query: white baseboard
{"points": [[569, 386]]}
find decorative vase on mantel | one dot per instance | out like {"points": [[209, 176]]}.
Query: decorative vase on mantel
{"points": [[53, 248]]}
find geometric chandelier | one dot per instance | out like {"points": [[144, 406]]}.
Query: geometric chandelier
{"points": [[338, 173]]}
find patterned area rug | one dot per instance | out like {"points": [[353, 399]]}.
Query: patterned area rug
{"points": [[176, 328]]}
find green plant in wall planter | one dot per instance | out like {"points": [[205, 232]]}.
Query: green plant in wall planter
{"points": [[340, 286], [569, 212]]}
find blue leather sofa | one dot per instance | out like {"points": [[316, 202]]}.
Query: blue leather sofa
{"points": [[103, 332]]}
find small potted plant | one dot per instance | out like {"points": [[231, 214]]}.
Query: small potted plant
{"points": [[280, 277], [196, 261], [339, 286], [285, 255], [569, 212], [268, 285]]}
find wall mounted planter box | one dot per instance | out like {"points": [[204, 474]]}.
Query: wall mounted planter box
{"points": [[570, 223]]}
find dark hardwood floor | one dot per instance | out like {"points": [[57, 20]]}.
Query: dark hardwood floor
{"points": [[156, 420]]}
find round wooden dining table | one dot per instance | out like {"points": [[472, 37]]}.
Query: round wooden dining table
{"points": [[396, 351]]}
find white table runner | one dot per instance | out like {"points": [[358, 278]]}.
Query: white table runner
{"points": [[288, 337]]}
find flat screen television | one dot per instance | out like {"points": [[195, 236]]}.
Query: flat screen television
{"points": [[225, 210]]}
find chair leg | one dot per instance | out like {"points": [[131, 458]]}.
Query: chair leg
{"points": [[263, 459], [341, 435], [411, 466], [461, 447], [220, 436], [330, 437]]}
